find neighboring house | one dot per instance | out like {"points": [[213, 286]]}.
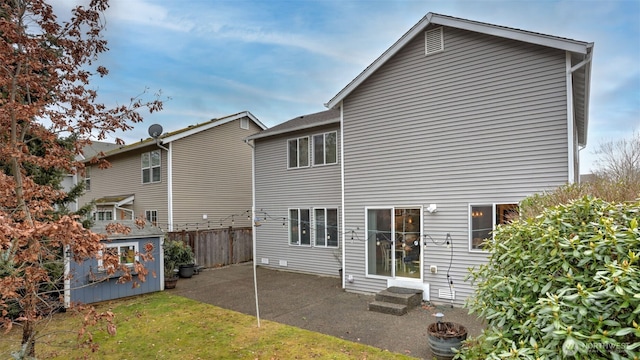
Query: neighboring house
{"points": [[89, 151], [88, 282], [438, 141], [196, 177]]}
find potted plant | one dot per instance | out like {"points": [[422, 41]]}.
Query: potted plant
{"points": [[185, 260], [445, 337], [173, 252]]}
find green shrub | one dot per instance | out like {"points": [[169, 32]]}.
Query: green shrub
{"points": [[565, 283]]}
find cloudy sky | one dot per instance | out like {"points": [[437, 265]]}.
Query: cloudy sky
{"points": [[282, 59]]}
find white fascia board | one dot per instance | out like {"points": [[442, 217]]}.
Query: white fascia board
{"points": [[431, 18], [514, 34], [213, 124], [125, 201]]}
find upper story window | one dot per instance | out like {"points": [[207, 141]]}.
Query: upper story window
{"points": [[299, 152], [151, 167], [103, 215], [484, 218], [87, 178], [325, 148], [151, 216]]}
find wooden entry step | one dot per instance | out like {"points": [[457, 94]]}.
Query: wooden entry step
{"points": [[396, 300]]}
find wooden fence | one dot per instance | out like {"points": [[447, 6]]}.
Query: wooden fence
{"points": [[218, 247]]}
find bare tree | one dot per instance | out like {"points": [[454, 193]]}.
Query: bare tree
{"points": [[45, 68], [619, 160]]}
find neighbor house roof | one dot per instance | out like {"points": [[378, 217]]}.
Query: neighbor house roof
{"points": [[301, 123], [184, 132], [580, 50]]}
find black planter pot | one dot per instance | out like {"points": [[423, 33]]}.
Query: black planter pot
{"points": [[186, 271]]}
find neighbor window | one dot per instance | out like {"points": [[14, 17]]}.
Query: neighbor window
{"points": [[151, 167], [484, 218], [127, 254], [299, 229], [87, 178], [151, 216], [103, 215], [299, 152], [326, 221], [325, 148]]}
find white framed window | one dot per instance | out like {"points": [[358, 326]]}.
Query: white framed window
{"points": [[244, 123], [325, 148], [87, 178], [127, 254], [326, 227], [483, 218], [103, 215], [151, 167], [299, 227], [151, 216], [298, 154]]}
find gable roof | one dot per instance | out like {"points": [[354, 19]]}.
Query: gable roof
{"points": [[581, 53], [303, 122], [184, 132]]}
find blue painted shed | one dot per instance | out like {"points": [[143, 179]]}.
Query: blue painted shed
{"points": [[88, 282]]}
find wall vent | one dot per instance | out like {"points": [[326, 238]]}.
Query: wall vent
{"points": [[433, 41], [264, 260], [447, 294], [283, 263]]}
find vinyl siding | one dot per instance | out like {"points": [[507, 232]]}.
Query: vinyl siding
{"points": [[212, 176], [125, 177], [278, 189], [482, 122]]}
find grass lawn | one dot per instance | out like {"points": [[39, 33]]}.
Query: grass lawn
{"points": [[164, 326]]}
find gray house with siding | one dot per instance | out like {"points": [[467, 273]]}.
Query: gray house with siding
{"points": [[439, 139], [195, 177]]}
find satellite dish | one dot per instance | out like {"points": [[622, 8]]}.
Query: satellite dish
{"points": [[155, 130]]}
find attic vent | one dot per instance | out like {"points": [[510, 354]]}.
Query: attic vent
{"points": [[446, 294], [433, 41], [244, 123]]}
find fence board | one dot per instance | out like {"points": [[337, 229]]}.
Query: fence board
{"points": [[218, 247]]}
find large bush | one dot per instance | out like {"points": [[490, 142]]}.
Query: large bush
{"points": [[561, 284]]}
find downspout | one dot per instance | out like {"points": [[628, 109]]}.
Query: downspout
{"points": [[169, 183], [344, 235], [571, 131], [253, 232]]}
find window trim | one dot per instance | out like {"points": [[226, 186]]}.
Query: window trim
{"points": [[315, 228], [300, 228], [87, 178], [151, 167], [493, 225], [96, 215], [119, 245], [298, 153], [324, 148], [154, 214]]}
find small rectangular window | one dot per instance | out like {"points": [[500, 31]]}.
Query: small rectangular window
{"points": [[484, 218], [126, 253], [151, 216], [87, 178], [299, 227], [298, 152], [151, 167], [103, 215], [244, 123], [326, 224], [325, 148]]}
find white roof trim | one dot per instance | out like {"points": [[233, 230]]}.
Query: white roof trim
{"points": [[213, 124], [431, 18]]}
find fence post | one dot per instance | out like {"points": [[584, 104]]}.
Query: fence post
{"points": [[230, 245]]}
